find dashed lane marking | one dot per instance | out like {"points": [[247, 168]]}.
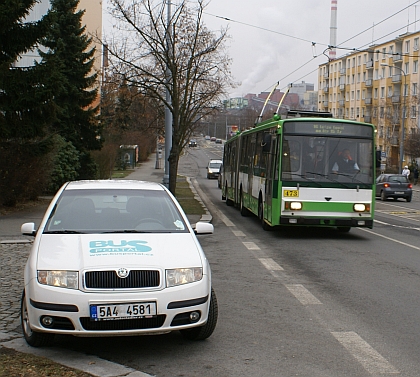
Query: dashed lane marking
{"points": [[370, 359], [251, 246], [270, 264], [302, 294], [238, 233]]}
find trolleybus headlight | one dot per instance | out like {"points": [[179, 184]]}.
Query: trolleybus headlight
{"points": [[295, 206], [359, 207]]}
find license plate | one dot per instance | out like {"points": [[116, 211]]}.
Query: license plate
{"points": [[122, 311], [398, 192], [291, 193]]}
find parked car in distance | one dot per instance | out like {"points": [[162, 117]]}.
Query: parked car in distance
{"points": [[213, 138], [393, 186], [213, 168], [207, 137], [116, 258], [219, 141], [192, 143]]}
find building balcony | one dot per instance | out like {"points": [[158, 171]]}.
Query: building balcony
{"points": [[341, 102], [326, 89], [325, 103], [369, 64], [368, 101], [367, 118], [395, 99], [396, 78], [394, 140], [341, 87], [397, 57], [368, 82], [342, 71], [326, 75]]}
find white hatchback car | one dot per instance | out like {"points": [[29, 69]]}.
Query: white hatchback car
{"points": [[116, 257]]}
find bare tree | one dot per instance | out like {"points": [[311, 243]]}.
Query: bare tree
{"points": [[179, 56]]}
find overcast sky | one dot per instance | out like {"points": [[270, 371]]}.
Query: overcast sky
{"points": [[284, 50]]}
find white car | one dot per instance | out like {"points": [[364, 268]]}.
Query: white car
{"points": [[213, 168], [116, 257]]}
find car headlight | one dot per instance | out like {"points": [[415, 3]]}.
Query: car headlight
{"points": [[179, 276], [360, 207], [63, 279]]}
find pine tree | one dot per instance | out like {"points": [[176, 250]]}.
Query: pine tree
{"points": [[26, 110], [67, 61]]}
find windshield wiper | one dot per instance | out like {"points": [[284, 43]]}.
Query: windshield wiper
{"points": [[64, 232]]}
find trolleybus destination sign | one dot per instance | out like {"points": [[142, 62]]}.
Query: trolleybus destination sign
{"points": [[328, 128]]}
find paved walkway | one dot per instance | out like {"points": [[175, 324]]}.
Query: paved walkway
{"points": [[14, 249]]}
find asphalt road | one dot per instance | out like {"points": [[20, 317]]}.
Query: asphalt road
{"points": [[292, 302]]}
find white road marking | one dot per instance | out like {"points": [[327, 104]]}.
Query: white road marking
{"points": [[302, 294], [238, 233], [270, 264], [390, 239], [251, 246], [370, 359]]}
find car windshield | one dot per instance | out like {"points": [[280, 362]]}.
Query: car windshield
{"points": [[115, 211], [215, 165]]}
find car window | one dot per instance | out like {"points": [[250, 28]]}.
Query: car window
{"points": [[101, 211]]}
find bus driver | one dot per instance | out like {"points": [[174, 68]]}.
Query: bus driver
{"points": [[345, 164]]}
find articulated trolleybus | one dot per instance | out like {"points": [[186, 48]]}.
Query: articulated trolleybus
{"points": [[303, 171]]}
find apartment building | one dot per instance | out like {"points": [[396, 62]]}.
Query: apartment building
{"points": [[377, 85]]}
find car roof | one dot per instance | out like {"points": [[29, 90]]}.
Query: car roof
{"points": [[215, 160], [125, 184]]}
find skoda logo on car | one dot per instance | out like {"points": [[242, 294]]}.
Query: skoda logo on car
{"points": [[122, 272]]}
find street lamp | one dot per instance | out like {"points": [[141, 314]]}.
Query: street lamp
{"points": [[403, 113]]}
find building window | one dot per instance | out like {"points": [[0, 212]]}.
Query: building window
{"points": [[381, 112], [358, 95], [352, 95], [377, 55], [358, 77], [405, 90], [407, 68], [357, 112], [389, 71], [416, 44], [382, 92], [407, 47], [414, 90], [391, 50], [389, 91], [384, 53], [353, 62], [413, 111], [415, 66], [383, 73], [363, 94], [376, 74], [375, 93]]}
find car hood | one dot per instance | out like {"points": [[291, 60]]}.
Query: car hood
{"points": [[97, 251]]}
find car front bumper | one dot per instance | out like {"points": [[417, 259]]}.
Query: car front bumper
{"points": [[69, 310]]}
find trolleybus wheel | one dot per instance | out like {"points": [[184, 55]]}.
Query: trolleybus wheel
{"points": [[243, 209]]}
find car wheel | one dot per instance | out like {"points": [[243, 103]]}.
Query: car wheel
{"points": [[203, 332], [33, 338], [383, 197], [208, 176], [408, 199], [243, 209]]}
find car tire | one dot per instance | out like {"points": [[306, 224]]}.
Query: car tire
{"points": [[203, 332], [33, 338], [408, 199], [383, 197]]}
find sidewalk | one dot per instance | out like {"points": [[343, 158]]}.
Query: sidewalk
{"points": [[15, 247]]}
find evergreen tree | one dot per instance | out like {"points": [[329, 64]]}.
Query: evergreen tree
{"points": [[25, 106], [67, 63]]}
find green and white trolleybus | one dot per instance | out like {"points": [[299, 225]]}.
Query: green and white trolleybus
{"points": [[303, 171]]}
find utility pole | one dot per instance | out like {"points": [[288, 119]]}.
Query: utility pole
{"points": [[168, 113]]}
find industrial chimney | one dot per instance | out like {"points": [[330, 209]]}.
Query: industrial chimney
{"points": [[333, 29]]}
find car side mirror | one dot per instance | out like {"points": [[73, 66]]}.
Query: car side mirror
{"points": [[28, 229], [203, 228]]}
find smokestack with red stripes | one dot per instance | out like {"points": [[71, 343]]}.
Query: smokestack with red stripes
{"points": [[333, 29]]}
